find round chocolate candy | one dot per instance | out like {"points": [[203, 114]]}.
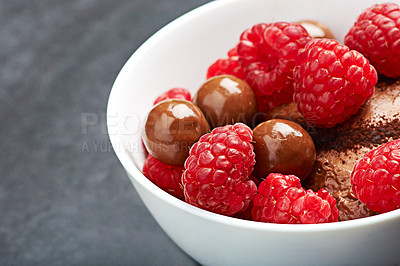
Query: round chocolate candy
{"points": [[171, 127], [282, 146], [226, 100], [316, 29]]}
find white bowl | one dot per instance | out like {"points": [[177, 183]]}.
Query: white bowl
{"points": [[178, 55]]}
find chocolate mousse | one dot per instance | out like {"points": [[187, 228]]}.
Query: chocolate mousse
{"points": [[340, 147]]}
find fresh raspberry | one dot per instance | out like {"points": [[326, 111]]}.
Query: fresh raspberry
{"points": [[267, 53], [281, 199], [332, 82], [375, 179], [226, 66], [233, 52], [218, 168], [246, 214], [167, 177], [174, 93], [376, 34]]}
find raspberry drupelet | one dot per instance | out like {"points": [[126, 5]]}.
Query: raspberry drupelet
{"points": [[216, 176]]}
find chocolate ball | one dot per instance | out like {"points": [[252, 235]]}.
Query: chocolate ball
{"points": [[226, 100], [282, 146], [316, 29], [171, 127]]}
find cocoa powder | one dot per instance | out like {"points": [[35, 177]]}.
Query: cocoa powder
{"points": [[346, 137]]}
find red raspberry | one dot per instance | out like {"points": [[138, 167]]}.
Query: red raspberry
{"points": [[218, 168], [375, 178], [376, 34], [332, 82], [281, 199], [233, 52], [267, 54], [226, 66], [246, 214], [167, 177], [174, 93]]}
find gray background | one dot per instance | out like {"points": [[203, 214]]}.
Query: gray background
{"points": [[64, 197]]}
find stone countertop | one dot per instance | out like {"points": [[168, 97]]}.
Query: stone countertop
{"points": [[64, 197]]}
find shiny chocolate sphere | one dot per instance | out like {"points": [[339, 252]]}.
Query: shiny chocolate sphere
{"points": [[226, 100], [317, 29], [171, 127], [282, 146]]}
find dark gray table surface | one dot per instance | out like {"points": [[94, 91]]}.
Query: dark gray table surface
{"points": [[64, 197]]}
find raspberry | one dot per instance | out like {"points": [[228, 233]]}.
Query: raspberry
{"points": [[332, 82], [267, 54], [246, 214], [174, 93], [281, 199], [375, 179], [376, 34], [218, 168], [226, 66], [166, 177]]}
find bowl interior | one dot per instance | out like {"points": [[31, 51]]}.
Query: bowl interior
{"points": [[178, 56]]}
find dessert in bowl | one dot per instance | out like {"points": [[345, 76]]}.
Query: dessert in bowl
{"points": [[179, 55]]}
